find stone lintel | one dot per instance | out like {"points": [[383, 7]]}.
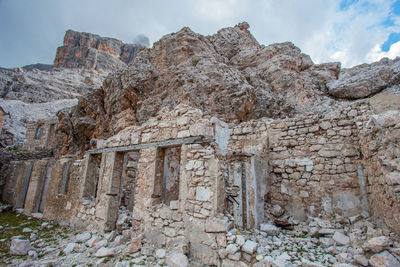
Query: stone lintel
{"points": [[174, 142]]}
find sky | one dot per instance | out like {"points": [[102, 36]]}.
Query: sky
{"points": [[349, 31]]}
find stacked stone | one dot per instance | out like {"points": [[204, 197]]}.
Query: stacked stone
{"points": [[249, 137], [181, 123], [40, 135], [169, 220], [380, 139], [249, 130], [87, 210], [313, 158], [199, 200]]}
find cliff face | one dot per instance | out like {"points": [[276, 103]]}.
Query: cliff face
{"points": [[40, 86], [90, 51], [228, 75], [80, 67]]}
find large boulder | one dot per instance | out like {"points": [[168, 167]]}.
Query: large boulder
{"points": [[379, 243], [365, 79], [384, 259], [20, 246]]}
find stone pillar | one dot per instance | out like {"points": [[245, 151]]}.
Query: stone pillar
{"points": [[9, 191], [46, 183], [145, 184], [109, 189], [219, 186], [238, 210], [256, 190], [34, 192], [23, 183]]}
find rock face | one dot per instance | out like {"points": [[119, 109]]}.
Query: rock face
{"points": [[227, 74], [366, 79], [40, 86], [81, 65], [90, 51]]}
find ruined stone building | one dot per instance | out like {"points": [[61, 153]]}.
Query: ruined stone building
{"points": [[186, 175]]}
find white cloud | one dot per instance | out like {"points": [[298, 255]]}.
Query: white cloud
{"points": [[31, 32], [376, 53], [215, 10]]}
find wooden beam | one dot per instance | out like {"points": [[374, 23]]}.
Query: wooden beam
{"points": [[168, 143]]}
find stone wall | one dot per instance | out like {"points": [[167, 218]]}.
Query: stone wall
{"points": [[182, 179], [8, 168], [190, 215], [314, 163], [62, 196], [380, 145], [27, 183], [40, 135]]}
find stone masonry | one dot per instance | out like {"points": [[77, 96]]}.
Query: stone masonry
{"points": [[183, 179]]}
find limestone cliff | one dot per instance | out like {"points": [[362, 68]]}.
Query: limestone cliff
{"points": [[90, 51], [80, 67], [229, 75]]}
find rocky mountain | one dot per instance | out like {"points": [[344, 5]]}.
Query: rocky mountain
{"points": [[40, 86], [229, 75], [90, 51], [80, 66]]}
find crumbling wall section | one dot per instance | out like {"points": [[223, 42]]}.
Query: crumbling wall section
{"points": [[380, 146], [248, 179], [11, 164], [63, 191], [40, 135], [314, 163]]}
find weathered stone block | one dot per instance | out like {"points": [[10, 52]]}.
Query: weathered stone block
{"points": [[176, 259], [105, 252], [377, 244], [249, 247], [135, 245], [201, 130], [216, 225], [341, 239], [203, 193]]}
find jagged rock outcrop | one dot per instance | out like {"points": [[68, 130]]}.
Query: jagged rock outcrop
{"points": [[81, 66], [228, 74], [33, 94], [40, 86], [366, 79], [90, 51]]}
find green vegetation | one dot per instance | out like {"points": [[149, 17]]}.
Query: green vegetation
{"points": [[12, 224]]}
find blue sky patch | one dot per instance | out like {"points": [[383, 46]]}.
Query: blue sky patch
{"points": [[396, 8], [345, 4], [393, 38]]}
